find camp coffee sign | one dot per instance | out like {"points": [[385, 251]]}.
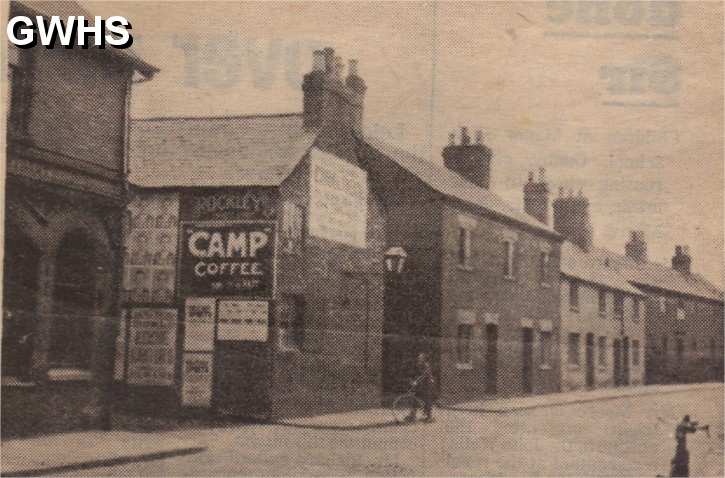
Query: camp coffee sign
{"points": [[227, 259]]}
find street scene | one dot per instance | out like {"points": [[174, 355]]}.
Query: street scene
{"points": [[400, 239]]}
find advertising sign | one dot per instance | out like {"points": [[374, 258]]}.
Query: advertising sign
{"points": [[199, 324], [243, 320], [227, 259], [152, 346], [338, 200], [197, 372]]}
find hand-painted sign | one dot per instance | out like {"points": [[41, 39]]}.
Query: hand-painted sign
{"points": [[152, 346], [243, 320], [197, 371], [230, 259], [199, 315], [338, 200]]}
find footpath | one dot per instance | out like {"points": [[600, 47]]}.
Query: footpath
{"points": [[53, 454]]}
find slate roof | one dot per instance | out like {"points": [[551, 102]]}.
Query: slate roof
{"points": [[68, 8], [592, 268], [453, 185], [259, 150], [659, 276]]}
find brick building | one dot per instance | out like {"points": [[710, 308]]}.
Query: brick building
{"points": [[289, 326], [480, 289], [64, 191], [684, 314]]}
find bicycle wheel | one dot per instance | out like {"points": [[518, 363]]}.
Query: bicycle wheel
{"points": [[402, 406]]}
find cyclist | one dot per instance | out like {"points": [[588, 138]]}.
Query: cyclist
{"points": [[423, 389], [681, 461]]}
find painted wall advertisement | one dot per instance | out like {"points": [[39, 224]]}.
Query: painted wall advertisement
{"points": [[338, 200], [152, 346], [243, 320], [197, 372], [228, 259], [199, 315]]}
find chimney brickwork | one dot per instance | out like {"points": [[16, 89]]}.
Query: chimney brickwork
{"points": [[472, 161], [636, 248], [536, 197], [571, 219], [682, 261]]}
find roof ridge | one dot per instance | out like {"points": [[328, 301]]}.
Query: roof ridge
{"points": [[220, 117]]}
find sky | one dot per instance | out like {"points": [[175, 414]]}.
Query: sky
{"points": [[621, 100]]}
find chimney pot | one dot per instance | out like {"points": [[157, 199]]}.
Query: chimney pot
{"points": [[318, 60], [561, 191], [339, 67], [542, 175], [479, 136], [352, 68], [329, 59], [531, 176], [465, 139], [451, 139]]}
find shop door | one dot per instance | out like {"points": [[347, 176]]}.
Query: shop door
{"points": [[617, 352], [491, 358], [590, 360], [242, 379], [527, 338]]}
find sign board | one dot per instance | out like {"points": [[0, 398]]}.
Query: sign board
{"points": [[152, 346], [227, 259], [119, 364], [243, 320], [199, 315], [197, 371], [338, 200]]}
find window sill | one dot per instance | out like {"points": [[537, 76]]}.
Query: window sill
{"points": [[16, 382], [464, 366], [573, 366], [544, 366], [69, 375]]}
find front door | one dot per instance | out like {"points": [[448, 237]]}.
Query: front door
{"points": [[625, 361], [617, 352], [491, 358], [527, 338], [590, 360]]}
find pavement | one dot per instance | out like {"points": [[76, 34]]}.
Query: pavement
{"points": [[73, 452]]}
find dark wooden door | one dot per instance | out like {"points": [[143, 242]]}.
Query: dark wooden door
{"points": [[617, 371], [590, 360], [491, 359], [527, 339], [242, 379], [625, 361]]}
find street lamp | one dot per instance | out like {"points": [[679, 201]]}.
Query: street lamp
{"points": [[395, 259]]}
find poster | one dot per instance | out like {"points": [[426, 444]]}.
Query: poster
{"points": [[243, 320], [152, 346], [338, 200], [199, 315], [197, 371], [227, 259], [119, 364], [291, 234], [151, 232]]}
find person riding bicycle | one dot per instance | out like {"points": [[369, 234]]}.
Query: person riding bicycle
{"points": [[423, 389], [681, 462]]}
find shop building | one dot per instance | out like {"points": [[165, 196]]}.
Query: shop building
{"points": [[254, 260], [64, 198], [480, 288], [683, 314]]}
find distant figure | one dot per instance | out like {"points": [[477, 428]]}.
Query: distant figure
{"points": [[423, 389], [681, 462]]}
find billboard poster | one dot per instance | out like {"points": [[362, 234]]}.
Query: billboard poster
{"points": [[199, 315], [227, 259], [152, 346], [197, 372], [338, 200], [150, 232], [243, 320]]}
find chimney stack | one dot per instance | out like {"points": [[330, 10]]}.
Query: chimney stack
{"points": [[329, 104], [682, 261], [636, 248], [536, 197], [571, 219], [472, 161]]}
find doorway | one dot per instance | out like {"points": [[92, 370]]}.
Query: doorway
{"points": [[617, 352], [527, 339], [590, 361], [491, 359], [625, 361]]}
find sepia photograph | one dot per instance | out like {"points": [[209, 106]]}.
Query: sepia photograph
{"points": [[362, 238]]}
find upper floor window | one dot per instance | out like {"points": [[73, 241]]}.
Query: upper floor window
{"points": [[464, 247], [662, 301], [544, 268], [464, 338], [635, 311], [680, 309], [574, 295], [602, 302], [509, 253], [574, 349], [618, 305]]}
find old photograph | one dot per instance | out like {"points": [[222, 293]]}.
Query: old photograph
{"points": [[362, 238]]}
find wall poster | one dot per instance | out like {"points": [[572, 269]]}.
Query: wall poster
{"points": [[197, 372], [152, 346], [243, 320], [199, 313]]}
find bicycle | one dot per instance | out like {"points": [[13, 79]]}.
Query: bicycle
{"points": [[404, 403]]}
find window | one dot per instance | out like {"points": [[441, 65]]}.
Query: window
{"points": [[635, 352], [508, 254], [680, 309], [544, 268], [546, 344], [602, 303], [635, 313], [618, 305], [574, 349], [603, 351], [463, 348], [291, 325], [574, 295], [663, 303], [464, 247]]}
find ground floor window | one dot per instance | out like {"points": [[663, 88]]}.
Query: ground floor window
{"points": [[546, 344], [635, 352], [574, 352], [464, 337], [602, 351]]}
